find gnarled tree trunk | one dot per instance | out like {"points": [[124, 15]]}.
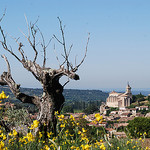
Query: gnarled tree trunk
{"points": [[52, 98]]}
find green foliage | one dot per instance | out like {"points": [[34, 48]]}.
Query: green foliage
{"points": [[68, 109], [78, 99], [17, 117], [144, 111], [124, 144], [114, 108], [72, 134], [111, 109], [138, 98], [91, 109], [139, 126], [69, 94], [108, 112], [84, 95], [149, 98]]}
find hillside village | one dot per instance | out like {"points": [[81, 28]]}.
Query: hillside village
{"points": [[117, 113]]}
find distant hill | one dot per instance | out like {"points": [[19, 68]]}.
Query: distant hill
{"points": [[85, 95], [69, 94]]}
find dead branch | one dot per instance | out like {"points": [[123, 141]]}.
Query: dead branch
{"points": [[76, 67], [33, 34], [8, 65], [67, 57], [3, 15], [66, 82], [57, 56], [4, 44], [63, 43], [6, 79], [44, 46]]}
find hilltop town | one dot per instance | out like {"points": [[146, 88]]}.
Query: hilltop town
{"points": [[118, 111]]}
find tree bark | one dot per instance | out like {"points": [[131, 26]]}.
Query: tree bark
{"points": [[52, 99]]}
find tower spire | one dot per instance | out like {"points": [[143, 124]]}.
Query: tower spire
{"points": [[128, 88]]}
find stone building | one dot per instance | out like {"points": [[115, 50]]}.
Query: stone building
{"points": [[120, 99]]}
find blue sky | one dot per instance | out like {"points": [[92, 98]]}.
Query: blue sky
{"points": [[119, 48]]}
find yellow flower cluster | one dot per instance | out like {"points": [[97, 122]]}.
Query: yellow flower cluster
{"points": [[2, 144], [85, 147], [3, 95], [71, 135], [100, 144], [98, 118], [35, 124]]}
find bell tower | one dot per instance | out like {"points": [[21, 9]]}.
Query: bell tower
{"points": [[128, 90]]}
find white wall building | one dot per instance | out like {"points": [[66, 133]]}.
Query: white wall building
{"points": [[119, 99]]}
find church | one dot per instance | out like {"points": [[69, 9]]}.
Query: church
{"points": [[120, 99]]}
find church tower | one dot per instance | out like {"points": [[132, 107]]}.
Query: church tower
{"points": [[128, 90]]}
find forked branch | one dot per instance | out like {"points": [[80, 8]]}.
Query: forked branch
{"points": [[66, 55], [4, 44], [6, 79], [76, 67], [70, 69]]}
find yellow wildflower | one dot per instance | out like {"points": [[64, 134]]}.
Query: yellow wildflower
{"points": [[72, 147], [71, 117], [10, 134], [46, 147], [40, 134], [49, 134], [4, 137], [84, 116], [83, 130], [85, 147], [140, 133], [56, 112], [128, 142], [99, 117], [35, 124], [71, 134], [140, 139], [2, 145], [30, 137], [62, 116], [134, 146], [102, 147], [3, 95], [62, 125], [14, 132], [79, 132]]}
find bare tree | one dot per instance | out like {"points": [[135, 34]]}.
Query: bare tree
{"points": [[52, 99]]}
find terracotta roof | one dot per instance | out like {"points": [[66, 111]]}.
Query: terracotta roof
{"points": [[132, 109], [113, 92], [110, 129], [143, 106], [119, 133], [120, 124], [125, 114]]}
